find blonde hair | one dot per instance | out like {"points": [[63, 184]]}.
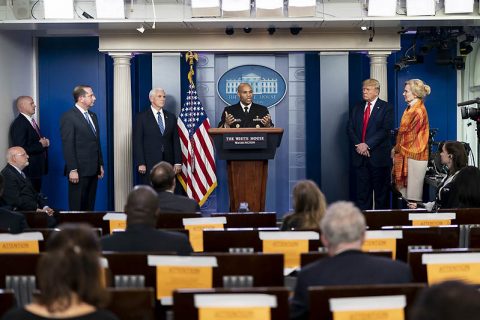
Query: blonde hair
{"points": [[309, 204], [419, 88], [371, 83]]}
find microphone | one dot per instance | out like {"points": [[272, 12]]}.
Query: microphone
{"points": [[466, 103]]}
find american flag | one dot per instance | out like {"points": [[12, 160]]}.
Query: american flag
{"points": [[198, 176]]}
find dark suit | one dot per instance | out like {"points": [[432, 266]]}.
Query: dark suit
{"points": [[150, 146], [22, 134], [19, 192], [245, 120], [81, 151], [347, 268], [14, 222], [372, 173], [170, 202], [142, 238]]}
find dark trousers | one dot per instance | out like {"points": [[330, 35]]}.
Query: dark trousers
{"points": [[81, 195], [372, 179]]}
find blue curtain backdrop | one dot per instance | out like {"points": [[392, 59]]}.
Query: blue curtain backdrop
{"points": [[64, 63]]}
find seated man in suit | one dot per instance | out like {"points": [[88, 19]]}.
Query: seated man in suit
{"points": [[142, 213], [343, 233], [19, 192], [13, 222], [162, 178]]}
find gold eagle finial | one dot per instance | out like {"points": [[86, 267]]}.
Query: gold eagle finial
{"points": [[191, 57]]}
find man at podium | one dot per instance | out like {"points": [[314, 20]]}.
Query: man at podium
{"points": [[245, 114]]}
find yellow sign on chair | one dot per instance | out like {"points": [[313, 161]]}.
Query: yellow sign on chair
{"points": [[244, 306], [432, 219], [26, 242], [176, 272], [195, 227], [382, 241], [452, 266], [377, 307], [117, 221]]}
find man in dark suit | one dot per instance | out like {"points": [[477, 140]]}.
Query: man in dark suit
{"points": [[142, 213], [343, 233], [19, 192], [13, 222], [162, 178], [155, 137], [25, 133], [81, 150], [369, 127], [245, 114]]}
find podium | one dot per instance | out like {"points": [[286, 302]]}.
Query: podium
{"points": [[247, 151]]}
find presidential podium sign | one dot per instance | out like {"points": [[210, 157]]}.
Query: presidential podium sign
{"points": [[247, 151]]}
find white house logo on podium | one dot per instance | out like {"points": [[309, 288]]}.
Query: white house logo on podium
{"points": [[268, 86]]}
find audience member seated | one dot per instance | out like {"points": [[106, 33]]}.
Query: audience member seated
{"points": [[342, 233], [450, 300], [309, 206], [162, 178], [467, 185], [69, 277], [14, 222], [454, 156], [142, 212], [19, 192]]}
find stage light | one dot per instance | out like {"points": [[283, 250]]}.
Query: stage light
{"points": [[269, 8], [247, 29], [420, 7], [302, 8], [271, 30], [229, 31], [141, 28], [465, 45], [295, 30], [458, 6], [236, 8]]}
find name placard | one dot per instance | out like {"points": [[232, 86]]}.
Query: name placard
{"points": [[245, 141], [117, 221], [195, 227], [26, 242], [432, 219], [234, 306], [290, 244], [368, 308], [379, 240], [176, 272], [452, 266]]}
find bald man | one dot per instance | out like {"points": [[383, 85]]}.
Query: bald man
{"points": [[19, 192], [25, 133], [141, 236]]}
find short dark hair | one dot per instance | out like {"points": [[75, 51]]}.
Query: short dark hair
{"points": [[162, 176], [142, 206], [79, 91], [449, 300], [71, 264]]}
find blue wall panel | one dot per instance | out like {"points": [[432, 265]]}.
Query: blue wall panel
{"points": [[63, 64]]}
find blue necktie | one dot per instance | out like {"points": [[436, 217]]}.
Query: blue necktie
{"points": [[160, 122], [90, 123]]}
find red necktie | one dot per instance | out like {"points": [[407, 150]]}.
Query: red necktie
{"points": [[35, 126], [366, 116]]}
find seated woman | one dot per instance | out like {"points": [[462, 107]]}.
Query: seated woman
{"points": [[69, 277], [309, 206], [454, 156], [467, 184]]}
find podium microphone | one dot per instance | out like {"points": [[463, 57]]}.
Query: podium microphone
{"points": [[466, 103]]}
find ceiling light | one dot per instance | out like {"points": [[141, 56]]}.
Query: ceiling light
{"points": [[295, 30], [271, 30], [141, 29], [247, 29], [229, 31]]}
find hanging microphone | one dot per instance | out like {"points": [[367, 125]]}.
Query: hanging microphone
{"points": [[466, 103]]}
